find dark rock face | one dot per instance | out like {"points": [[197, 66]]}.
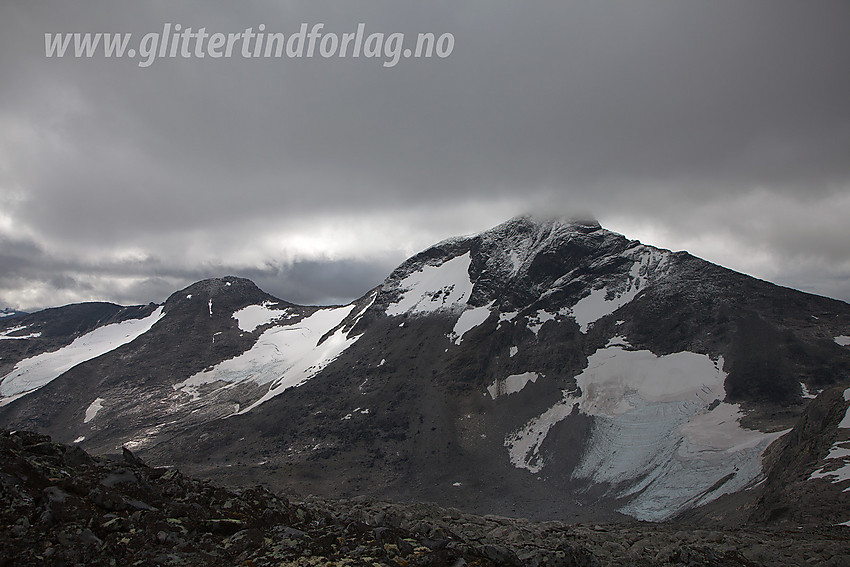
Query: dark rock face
{"points": [[798, 487], [60, 506]]}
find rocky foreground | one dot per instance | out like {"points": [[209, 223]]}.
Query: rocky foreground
{"points": [[61, 506]]}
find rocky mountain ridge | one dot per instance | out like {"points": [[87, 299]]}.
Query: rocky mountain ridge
{"points": [[542, 368]]}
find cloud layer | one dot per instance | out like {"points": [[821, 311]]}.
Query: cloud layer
{"points": [[719, 127]]}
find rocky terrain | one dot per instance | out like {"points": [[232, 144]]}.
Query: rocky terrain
{"points": [[61, 506]]}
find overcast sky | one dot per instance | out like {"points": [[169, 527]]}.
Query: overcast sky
{"points": [[719, 127]]}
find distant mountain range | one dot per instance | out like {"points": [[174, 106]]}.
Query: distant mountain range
{"points": [[543, 368], [6, 312]]}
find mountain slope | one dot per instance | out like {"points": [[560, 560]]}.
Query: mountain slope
{"points": [[543, 368]]}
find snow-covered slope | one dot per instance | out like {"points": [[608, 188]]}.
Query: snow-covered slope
{"points": [[33, 373], [661, 434], [284, 356], [434, 287]]}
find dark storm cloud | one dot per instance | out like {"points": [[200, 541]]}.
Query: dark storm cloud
{"points": [[39, 277], [720, 124]]}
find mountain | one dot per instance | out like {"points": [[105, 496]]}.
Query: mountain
{"points": [[6, 312], [543, 368]]}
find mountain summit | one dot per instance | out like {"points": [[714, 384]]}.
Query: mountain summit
{"points": [[545, 368]]}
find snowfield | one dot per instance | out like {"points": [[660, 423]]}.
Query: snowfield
{"points": [[284, 356], [434, 287], [511, 385], [468, 320], [91, 411], [33, 373], [253, 316], [654, 439]]}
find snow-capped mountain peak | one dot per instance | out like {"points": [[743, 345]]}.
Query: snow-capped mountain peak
{"points": [[544, 367]]}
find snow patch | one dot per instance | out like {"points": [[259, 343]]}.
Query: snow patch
{"points": [[14, 329], [79, 439], [619, 341], [845, 423], [253, 316], [468, 320], [835, 476], [805, 393], [536, 321], [145, 438], [509, 316], [93, 408], [367, 306], [593, 307], [3, 336], [512, 384], [842, 340], [524, 444], [434, 287], [33, 373], [839, 451], [350, 414], [513, 351]]}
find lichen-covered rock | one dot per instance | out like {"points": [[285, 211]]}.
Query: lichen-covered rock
{"points": [[60, 506], [110, 512]]}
